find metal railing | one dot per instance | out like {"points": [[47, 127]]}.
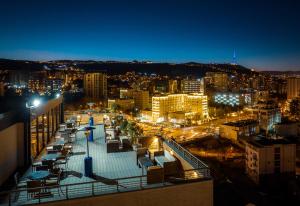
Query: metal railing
{"points": [[92, 188], [189, 157]]}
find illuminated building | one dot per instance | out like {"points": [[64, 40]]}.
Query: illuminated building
{"points": [[232, 99], [219, 80], [293, 87], [122, 104], [173, 86], [95, 85], [36, 82], [2, 89], [26, 132], [242, 128], [193, 105], [266, 159], [37, 85], [267, 114], [192, 86], [141, 97], [54, 85]]}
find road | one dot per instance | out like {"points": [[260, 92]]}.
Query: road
{"points": [[189, 133]]}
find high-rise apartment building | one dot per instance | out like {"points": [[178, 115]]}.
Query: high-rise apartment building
{"points": [[293, 87], [192, 105], [267, 115], [2, 89], [95, 85], [269, 157], [173, 86], [192, 86], [140, 97], [219, 80], [54, 85]]}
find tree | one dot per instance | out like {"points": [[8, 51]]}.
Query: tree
{"points": [[115, 107], [123, 125], [134, 131]]}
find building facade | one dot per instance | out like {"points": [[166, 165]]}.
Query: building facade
{"points": [[267, 158], [192, 86], [95, 86], [293, 87], [2, 89], [26, 132], [140, 97], [54, 85], [122, 104], [232, 99], [267, 117], [242, 128], [219, 80], [193, 105]]}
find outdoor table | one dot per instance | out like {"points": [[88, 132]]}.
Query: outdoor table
{"points": [[145, 162], [39, 175], [52, 156], [59, 142]]}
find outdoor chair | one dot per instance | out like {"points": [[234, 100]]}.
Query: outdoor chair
{"points": [[62, 160], [34, 164], [19, 184], [141, 152], [54, 182], [42, 168], [33, 188], [112, 146], [48, 163]]}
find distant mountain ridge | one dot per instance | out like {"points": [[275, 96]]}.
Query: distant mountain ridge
{"points": [[116, 67]]}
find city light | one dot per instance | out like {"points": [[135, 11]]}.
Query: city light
{"points": [[57, 95], [36, 102]]}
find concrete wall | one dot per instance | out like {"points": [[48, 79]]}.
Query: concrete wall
{"points": [[11, 150], [192, 194]]}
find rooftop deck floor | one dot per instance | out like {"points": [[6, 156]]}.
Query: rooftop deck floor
{"points": [[113, 172], [106, 167]]}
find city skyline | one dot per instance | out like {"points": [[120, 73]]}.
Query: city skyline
{"points": [[172, 31]]}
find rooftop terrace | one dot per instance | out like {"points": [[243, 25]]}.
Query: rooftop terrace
{"points": [[112, 173]]}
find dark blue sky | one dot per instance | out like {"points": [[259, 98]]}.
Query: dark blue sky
{"points": [[265, 34]]}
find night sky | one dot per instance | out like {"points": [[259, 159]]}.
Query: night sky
{"points": [[264, 34]]}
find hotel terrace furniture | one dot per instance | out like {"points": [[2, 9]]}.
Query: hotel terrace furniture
{"points": [[54, 182], [141, 152], [144, 162], [42, 168], [34, 164], [39, 175], [19, 184], [155, 174], [33, 188], [113, 146], [125, 142], [166, 161], [52, 157], [63, 160]]}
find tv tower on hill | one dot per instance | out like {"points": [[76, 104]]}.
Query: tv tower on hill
{"points": [[234, 58]]}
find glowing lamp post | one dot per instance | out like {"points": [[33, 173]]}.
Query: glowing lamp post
{"points": [[91, 121], [88, 161]]}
